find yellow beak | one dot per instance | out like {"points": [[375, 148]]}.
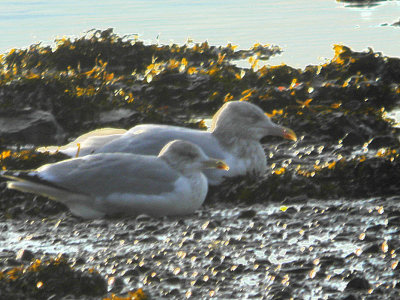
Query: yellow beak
{"points": [[215, 164], [289, 134]]}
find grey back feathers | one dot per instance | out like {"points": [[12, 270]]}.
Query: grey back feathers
{"points": [[106, 173]]}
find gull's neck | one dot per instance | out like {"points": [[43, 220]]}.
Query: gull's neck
{"points": [[244, 147], [240, 145], [248, 154], [178, 165], [230, 138]]}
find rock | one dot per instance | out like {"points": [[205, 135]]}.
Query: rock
{"points": [[350, 297], [118, 117], [372, 249], [29, 126], [383, 141], [396, 23], [353, 139], [24, 254], [281, 293], [358, 283], [247, 214], [394, 221]]}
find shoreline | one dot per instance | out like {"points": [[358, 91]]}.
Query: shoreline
{"points": [[326, 206]]}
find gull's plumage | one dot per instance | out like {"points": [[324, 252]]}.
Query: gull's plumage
{"points": [[122, 183], [234, 136], [87, 143]]}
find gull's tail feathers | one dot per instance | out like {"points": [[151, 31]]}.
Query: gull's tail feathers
{"points": [[30, 182], [30, 177]]}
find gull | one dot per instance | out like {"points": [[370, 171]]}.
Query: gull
{"points": [[87, 143], [93, 186], [234, 136]]}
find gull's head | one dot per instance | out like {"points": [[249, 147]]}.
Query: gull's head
{"points": [[188, 157], [245, 120]]}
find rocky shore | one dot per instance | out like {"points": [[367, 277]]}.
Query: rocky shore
{"points": [[323, 223]]}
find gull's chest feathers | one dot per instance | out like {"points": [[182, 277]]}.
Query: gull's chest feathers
{"points": [[243, 157], [195, 185], [248, 157]]}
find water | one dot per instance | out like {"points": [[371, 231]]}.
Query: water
{"points": [[306, 30]]}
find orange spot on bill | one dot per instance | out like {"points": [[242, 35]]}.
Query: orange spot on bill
{"points": [[222, 166]]}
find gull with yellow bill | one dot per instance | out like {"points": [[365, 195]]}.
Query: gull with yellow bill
{"points": [[234, 136], [93, 186]]}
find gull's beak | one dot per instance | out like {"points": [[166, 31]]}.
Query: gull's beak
{"points": [[289, 134], [277, 130], [215, 164]]}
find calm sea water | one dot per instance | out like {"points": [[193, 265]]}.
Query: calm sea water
{"points": [[306, 30]]}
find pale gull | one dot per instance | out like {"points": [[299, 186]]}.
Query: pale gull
{"points": [[234, 137], [87, 143], [92, 186]]}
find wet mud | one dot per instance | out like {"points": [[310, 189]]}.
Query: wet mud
{"points": [[323, 223], [304, 249]]}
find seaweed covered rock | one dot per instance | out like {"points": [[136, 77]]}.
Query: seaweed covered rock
{"points": [[358, 177], [53, 277], [81, 80], [348, 95]]}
